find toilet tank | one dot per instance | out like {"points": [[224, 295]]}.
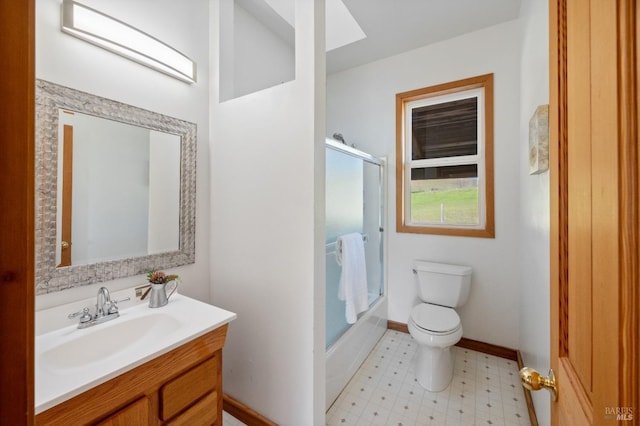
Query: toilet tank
{"points": [[442, 284]]}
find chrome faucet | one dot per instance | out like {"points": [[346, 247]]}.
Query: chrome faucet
{"points": [[106, 310], [103, 303]]}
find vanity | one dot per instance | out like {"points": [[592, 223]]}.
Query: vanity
{"points": [[143, 366], [149, 366]]}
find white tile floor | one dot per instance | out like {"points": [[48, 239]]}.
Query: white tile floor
{"points": [[485, 390]]}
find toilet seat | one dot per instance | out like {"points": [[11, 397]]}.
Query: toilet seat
{"points": [[435, 319]]}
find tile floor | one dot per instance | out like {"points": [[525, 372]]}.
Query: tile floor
{"points": [[485, 390]]}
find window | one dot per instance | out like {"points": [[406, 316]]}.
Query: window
{"points": [[444, 159]]}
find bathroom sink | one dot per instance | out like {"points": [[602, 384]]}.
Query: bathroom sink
{"points": [[93, 345], [69, 360]]}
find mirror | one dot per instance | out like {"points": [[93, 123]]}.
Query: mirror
{"points": [[103, 215], [115, 189]]}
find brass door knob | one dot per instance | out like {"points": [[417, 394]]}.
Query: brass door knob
{"points": [[532, 380], [64, 245]]}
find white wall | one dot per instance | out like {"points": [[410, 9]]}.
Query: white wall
{"points": [[361, 106], [259, 58], [267, 232], [534, 202], [68, 61]]}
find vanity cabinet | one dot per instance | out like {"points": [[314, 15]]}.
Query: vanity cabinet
{"points": [[181, 387]]}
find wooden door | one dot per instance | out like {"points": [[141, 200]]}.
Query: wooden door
{"points": [[594, 211], [17, 88]]}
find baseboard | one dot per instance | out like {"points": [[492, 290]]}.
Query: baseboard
{"points": [[397, 326], [527, 396], [243, 413], [487, 348], [474, 345]]}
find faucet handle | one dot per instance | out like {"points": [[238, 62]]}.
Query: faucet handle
{"points": [[84, 314], [113, 307]]}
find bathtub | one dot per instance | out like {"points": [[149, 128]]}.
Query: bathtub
{"points": [[346, 354]]}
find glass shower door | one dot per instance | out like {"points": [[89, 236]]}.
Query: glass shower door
{"points": [[344, 214], [353, 204]]}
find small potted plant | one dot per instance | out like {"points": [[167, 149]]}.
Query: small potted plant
{"points": [[159, 277], [158, 281]]}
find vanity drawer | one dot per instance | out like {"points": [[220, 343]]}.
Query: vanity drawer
{"points": [[184, 390], [136, 413], [204, 412]]}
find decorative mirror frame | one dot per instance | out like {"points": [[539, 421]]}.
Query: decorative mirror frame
{"points": [[50, 98]]}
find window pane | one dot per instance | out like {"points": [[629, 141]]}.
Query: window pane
{"points": [[447, 129], [447, 195]]}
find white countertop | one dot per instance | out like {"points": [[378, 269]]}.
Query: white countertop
{"points": [[69, 361]]}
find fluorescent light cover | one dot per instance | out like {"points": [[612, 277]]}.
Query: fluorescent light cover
{"points": [[116, 36]]}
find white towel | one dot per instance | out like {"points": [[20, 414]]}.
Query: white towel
{"points": [[353, 279]]}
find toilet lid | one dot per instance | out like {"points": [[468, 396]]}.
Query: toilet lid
{"points": [[435, 318]]}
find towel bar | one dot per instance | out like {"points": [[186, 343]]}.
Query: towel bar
{"points": [[332, 248]]}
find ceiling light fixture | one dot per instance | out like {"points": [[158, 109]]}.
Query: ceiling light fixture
{"points": [[118, 37]]}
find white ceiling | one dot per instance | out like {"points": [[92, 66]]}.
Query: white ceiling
{"points": [[395, 26]]}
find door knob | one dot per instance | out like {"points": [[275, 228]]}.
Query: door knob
{"points": [[64, 245], [532, 380]]}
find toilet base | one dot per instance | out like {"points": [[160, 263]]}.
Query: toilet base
{"points": [[434, 367]]}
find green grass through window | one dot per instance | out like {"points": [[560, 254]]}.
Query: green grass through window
{"points": [[460, 206]]}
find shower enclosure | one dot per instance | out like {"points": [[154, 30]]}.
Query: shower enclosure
{"points": [[354, 197]]}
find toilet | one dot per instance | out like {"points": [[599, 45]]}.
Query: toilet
{"points": [[434, 324]]}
